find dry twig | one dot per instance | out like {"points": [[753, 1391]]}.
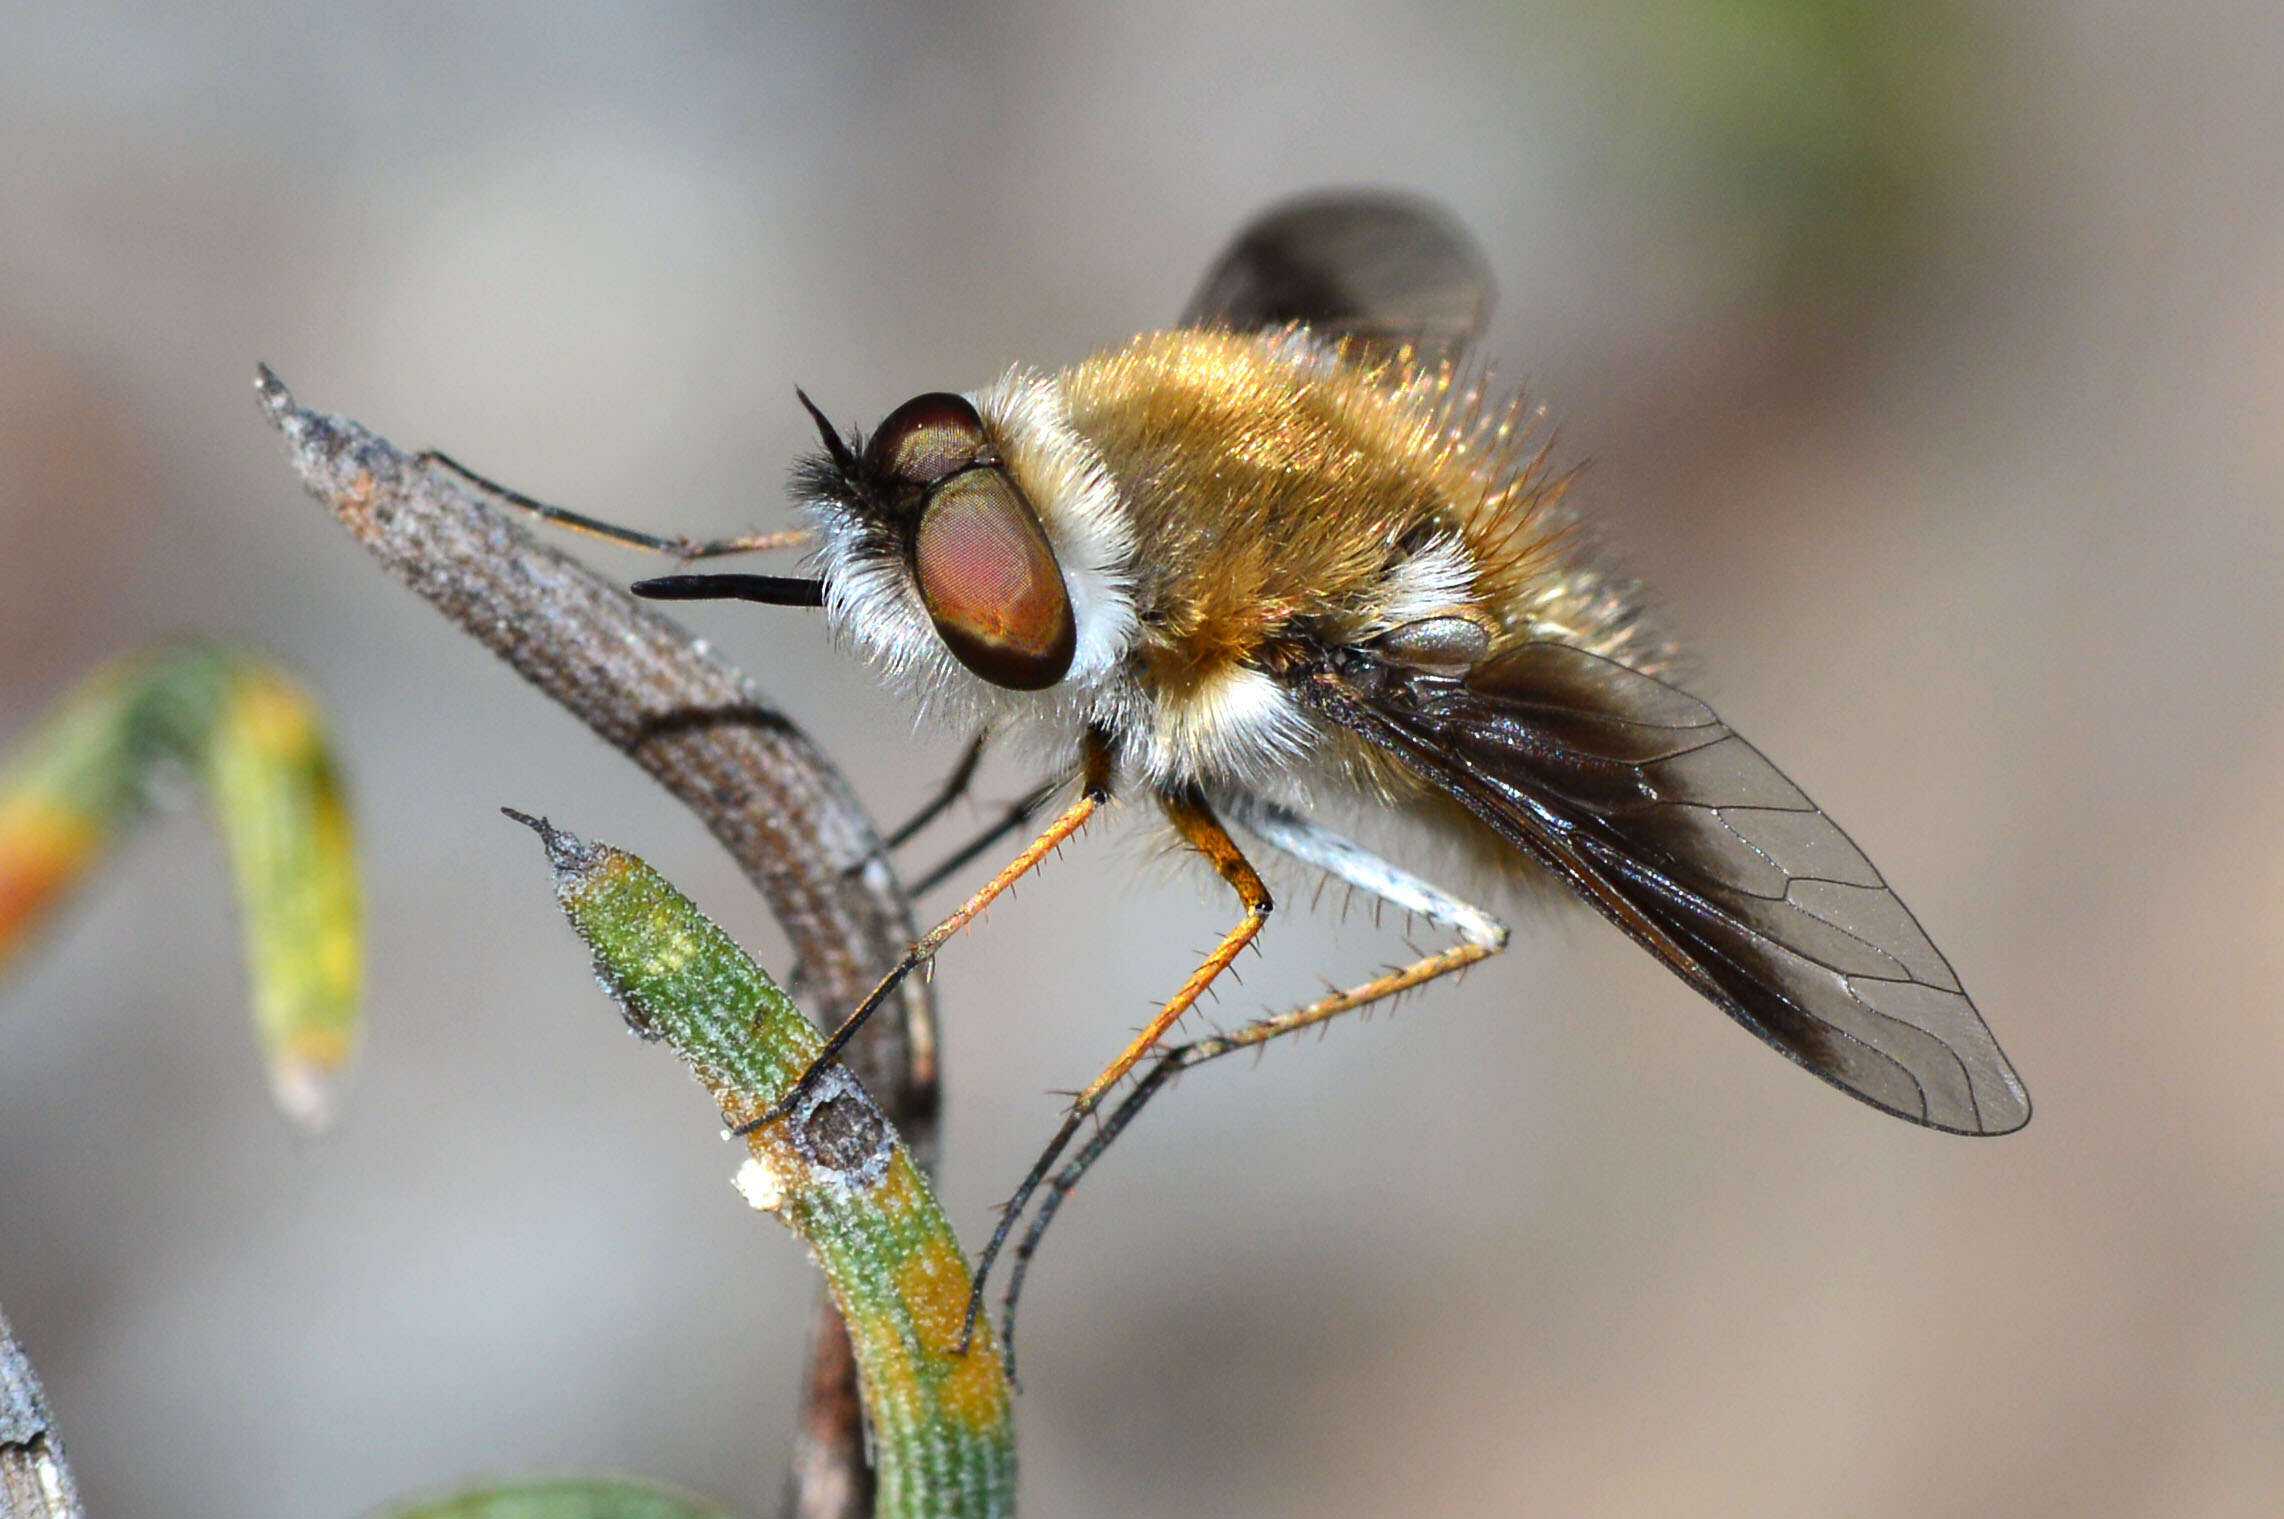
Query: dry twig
{"points": [[651, 690], [35, 1481]]}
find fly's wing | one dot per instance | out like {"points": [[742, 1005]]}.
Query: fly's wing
{"points": [[1389, 271], [1683, 835]]}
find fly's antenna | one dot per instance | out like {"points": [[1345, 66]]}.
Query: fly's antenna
{"points": [[836, 447]]}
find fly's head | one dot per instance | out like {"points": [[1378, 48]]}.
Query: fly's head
{"points": [[973, 548]]}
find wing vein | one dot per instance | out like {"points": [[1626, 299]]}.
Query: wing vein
{"points": [[1705, 855]]}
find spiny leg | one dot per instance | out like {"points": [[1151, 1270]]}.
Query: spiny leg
{"points": [[1018, 812], [1195, 821], [1180, 1058], [1199, 828], [677, 547], [1095, 790], [1481, 936], [1013, 816]]}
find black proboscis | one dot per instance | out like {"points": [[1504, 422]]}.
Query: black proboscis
{"points": [[774, 590]]}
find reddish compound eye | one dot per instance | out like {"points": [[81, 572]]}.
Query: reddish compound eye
{"points": [[989, 578], [925, 439]]}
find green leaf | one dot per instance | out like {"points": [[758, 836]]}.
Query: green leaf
{"points": [[257, 742]]}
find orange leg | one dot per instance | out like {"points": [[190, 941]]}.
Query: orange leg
{"points": [[684, 549], [1092, 794], [1481, 936], [1173, 1062], [1402, 979], [1011, 818], [1195, 821], [1204, 833]]}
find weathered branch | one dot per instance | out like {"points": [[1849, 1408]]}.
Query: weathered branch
{"points": [[653, 691], [35, 1481]]}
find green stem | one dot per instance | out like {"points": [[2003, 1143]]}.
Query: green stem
{"points": [[833, 1170]]}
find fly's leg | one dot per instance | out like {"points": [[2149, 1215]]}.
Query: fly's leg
{"points": [[955, 786], [1093, 793], [684, 549], [1194, 820], [1481, 936], [1018, 812]]}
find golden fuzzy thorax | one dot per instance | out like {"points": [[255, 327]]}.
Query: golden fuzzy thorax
{"points": [[1287, 498], [1274, 485]]}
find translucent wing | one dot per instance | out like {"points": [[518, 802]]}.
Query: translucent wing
{"points": [[1387, 270], [1682, 834]]}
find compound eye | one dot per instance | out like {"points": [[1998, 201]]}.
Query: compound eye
{"points": [[925, 439], [991, 583]]}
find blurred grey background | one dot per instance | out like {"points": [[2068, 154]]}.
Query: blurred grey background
{"points": [[1928, 360]]}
